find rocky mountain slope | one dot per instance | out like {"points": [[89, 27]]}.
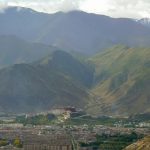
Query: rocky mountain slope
{"points": [[122, 81]]}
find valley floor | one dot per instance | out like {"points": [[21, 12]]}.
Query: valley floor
{"points": [[63, 137]]}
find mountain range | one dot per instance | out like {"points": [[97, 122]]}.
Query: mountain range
{"points": [[121, 81], [15, 50], [113, 82], [45, 84], [75, 30], [93, 62]]}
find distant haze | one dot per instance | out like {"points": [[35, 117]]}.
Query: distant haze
{"points": [[74, 30], [113, 8]]}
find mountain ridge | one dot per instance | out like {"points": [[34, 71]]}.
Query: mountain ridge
{"points": [[15, 50], [97, 32], [114, 82], [34, 88]]}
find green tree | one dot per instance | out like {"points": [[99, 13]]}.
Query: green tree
{"points": [[17, 143]]}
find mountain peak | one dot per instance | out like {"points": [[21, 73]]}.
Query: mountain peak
{"points": [[62, 30], [144, 21], [60, 53], [15, 9]]}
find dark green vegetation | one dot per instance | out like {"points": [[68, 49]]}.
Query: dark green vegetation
{"points": [[52, 119], [37, 120], [3, 142], [48, 119], [140, 117], [15, 142], [91, 121], [114, 142]]}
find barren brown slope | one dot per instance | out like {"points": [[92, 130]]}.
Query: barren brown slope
{"points": [[140, 145], [122, 81]]}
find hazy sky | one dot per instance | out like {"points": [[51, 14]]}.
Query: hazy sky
{"points": [[114, 8]]}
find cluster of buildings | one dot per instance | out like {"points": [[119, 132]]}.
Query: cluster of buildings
{"points": [[32, 140], [60, 136], [66, 111], [55, 137]]}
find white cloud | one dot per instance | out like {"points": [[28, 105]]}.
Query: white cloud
{"points": [[49, 6], [3, 5], [118, 8], [114, 8]]}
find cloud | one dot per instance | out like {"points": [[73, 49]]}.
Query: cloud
{"points": [[131, 8], [114, 8], [49, 6], [118, 8], [3, 5]]}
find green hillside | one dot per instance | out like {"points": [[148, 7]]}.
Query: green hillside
{"points": [[36, 87], [121, 81], [69, 66], [113, 82]]}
